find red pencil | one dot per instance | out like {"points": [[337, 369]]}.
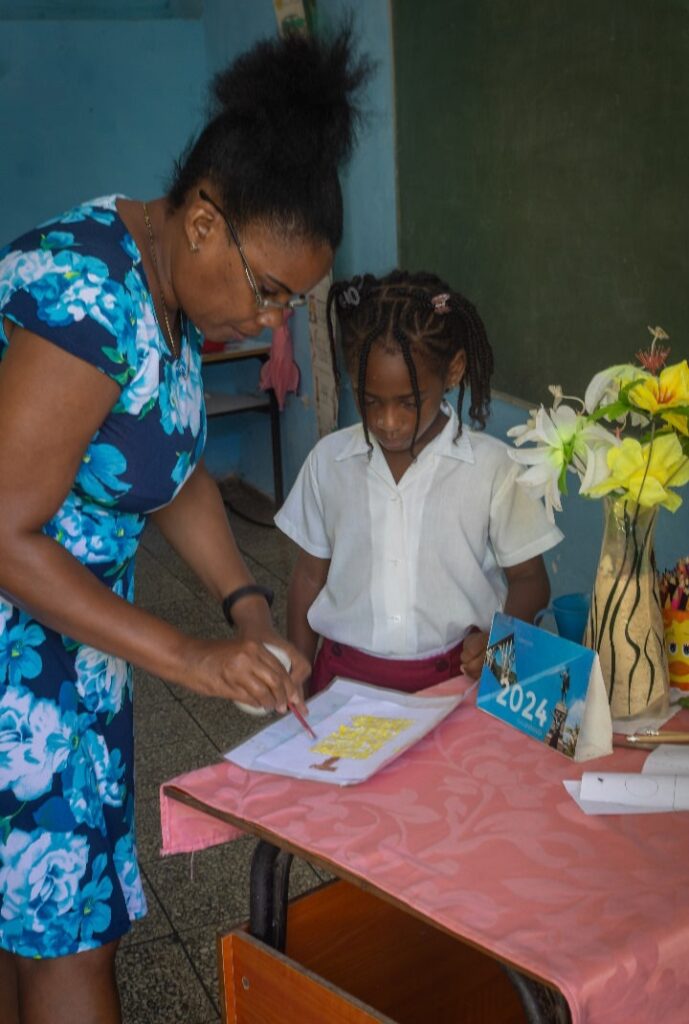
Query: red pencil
{"points": [[302, 721]]}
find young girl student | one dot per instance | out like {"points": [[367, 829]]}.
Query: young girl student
{"points": [[411, 527]]}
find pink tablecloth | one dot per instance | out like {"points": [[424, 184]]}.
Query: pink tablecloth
{"points": [[473, 829]]}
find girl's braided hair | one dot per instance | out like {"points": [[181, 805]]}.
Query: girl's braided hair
{"points": [[420, 316]]}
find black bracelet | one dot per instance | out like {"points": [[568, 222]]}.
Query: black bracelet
{"points": [[245, 591]]}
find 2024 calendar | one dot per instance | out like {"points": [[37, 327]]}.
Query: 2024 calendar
{"points": [[549, 688]]}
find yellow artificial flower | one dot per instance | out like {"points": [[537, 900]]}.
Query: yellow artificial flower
{"points": [[659, 395], [645, 472]]}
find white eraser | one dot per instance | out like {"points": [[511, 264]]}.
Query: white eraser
{"points": [[281, 654], [283, 657]]}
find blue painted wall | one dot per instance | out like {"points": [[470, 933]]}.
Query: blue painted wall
{"points": [[89, 108]]}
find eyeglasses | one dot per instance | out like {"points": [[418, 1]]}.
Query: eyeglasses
{"points": [[261, 301]]}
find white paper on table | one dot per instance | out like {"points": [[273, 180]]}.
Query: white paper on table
{"points": [[284, 748], [632, 789], [573, 787], [667, 759]]}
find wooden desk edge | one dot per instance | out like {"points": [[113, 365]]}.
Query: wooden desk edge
{"points": [[175, 793]]}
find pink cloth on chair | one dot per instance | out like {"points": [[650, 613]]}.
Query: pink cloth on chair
{"points": [[280, 372], [472, 828]]}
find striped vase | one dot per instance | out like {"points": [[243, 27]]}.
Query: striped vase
{"points": [[625, 622]]}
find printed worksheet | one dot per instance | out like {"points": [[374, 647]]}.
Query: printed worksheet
{"points": [[359, 729]]}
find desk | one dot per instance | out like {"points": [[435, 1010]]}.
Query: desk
{"points": [[473, 832], [220, 403]]}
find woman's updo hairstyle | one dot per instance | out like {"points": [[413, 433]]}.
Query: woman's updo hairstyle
{"points": [[282, 122]]}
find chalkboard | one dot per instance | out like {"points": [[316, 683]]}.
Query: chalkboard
{"points": [[542, 157]]}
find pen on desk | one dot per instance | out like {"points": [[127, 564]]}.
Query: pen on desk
{"points": [[302, 721], [653, 736]]}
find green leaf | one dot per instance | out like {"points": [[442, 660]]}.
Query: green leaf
{"points": [[610, 412]]}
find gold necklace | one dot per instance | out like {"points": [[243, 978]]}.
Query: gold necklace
{"points": [[154, 258]]}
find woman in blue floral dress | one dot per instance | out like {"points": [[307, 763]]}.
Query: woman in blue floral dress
{"points": [[102, 425]]}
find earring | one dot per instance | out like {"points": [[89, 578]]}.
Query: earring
{"points": [[193, 247]]}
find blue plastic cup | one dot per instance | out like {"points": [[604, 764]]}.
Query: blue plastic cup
{"points": [[571, 612]]}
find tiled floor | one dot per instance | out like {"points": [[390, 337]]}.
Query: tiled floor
{"points": [[166, 965]]}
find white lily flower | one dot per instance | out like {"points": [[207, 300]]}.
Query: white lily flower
{"points": [[605, 386], [579, 437], [552, 434], [563, 439], [523, 428], [553, 427], [541, 478], [593, 466], [557, 393]]}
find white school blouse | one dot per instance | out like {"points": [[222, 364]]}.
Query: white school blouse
{"points": [[413, 565]]}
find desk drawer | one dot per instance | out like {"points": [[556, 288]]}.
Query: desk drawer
{"points": [[374, 962], [258, 985]]}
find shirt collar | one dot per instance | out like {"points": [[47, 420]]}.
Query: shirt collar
{"points": [[444, 445]]}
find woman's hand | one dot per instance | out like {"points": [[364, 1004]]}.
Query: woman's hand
{"points": [[301, 667], [474, 653], [243, 669]]}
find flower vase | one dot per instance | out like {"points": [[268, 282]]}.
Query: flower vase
{"points": [[625, 623]]}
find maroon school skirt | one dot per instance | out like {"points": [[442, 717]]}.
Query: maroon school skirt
{"points": [[335, 659]]}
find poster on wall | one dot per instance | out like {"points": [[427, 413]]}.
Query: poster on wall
{"points": [[300, 16], [324, 385], [294, 15]]}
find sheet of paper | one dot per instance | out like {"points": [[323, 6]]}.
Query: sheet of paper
{"points": [[573, 787], [359, 729], [632, 789], [354, 742], [667, 759]]}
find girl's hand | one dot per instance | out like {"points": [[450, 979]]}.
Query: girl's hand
{"points": [[242, 669], [474, 653]]}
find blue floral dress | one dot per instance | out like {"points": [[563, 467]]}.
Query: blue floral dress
{"points": [[69, 878]]}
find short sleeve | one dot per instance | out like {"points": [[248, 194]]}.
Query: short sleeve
{"points": [[71, 298], [301, 517], [519, 527]]}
